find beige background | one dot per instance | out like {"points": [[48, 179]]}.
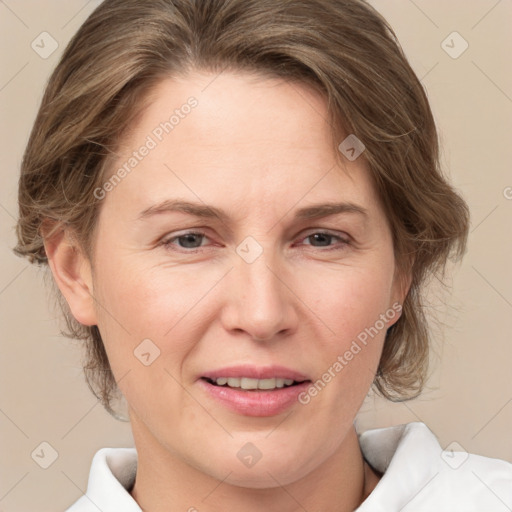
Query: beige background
{"points": [[469, 399]]}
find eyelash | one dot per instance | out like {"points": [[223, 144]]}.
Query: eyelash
{"points": [[168, 243], [343, 242]]}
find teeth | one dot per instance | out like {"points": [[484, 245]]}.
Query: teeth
{"points": [[267, 384], [233, 382], [248, 383]]}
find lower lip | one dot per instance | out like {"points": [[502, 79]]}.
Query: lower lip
{"points": [[255, 402]]}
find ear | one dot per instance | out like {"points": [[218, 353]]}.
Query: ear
{"points": [[401, 285], [71, 270]]}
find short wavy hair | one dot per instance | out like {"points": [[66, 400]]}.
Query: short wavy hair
{"points": [[342, 48]]}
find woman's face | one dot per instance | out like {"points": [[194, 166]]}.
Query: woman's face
{"points": [[238, 246]]}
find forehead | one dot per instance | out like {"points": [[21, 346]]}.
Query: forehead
{"points": [[237, 136], [237, 111]]}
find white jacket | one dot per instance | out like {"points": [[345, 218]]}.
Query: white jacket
{"points": [[418, 476]]}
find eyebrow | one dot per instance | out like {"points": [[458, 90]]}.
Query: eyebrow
{"points": [[323, 210], [196, 209], [315, 211]]}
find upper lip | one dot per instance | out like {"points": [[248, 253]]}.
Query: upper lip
{"points": [[256, 372]]}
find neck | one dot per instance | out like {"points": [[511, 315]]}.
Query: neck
{"points": [[166, 482]]}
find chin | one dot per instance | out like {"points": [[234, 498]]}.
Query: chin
{"points": [[270, 467], [264, 477]]}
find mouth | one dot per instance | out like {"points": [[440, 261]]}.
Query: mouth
{"points": [[251, 384], [254, 391]]}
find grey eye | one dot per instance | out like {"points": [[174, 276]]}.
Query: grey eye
{"points": [[190, 240], [320, 239]]}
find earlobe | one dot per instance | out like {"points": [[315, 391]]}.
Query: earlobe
{"points": [[71, 271], [401, 286]]}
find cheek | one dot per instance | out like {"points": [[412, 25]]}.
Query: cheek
{"points": [[349, 299], [141, 321], [136, 302], [351, 304]]}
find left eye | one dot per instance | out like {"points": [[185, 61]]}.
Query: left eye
{"points": [[187, 240], [323, 239]]}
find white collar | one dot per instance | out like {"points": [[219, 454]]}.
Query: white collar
{"points": [[417, 476], [409, 456]]}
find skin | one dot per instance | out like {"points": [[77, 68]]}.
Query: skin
{"points": [[259, 149]]}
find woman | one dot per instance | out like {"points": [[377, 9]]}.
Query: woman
{"points": [[239, 202]]}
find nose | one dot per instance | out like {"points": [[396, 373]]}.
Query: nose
{"points": [[259, 302]]}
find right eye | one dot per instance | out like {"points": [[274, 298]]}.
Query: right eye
{"points": [[189, 240]]}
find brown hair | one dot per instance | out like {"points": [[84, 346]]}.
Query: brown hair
{"points": [[343, 48]]}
